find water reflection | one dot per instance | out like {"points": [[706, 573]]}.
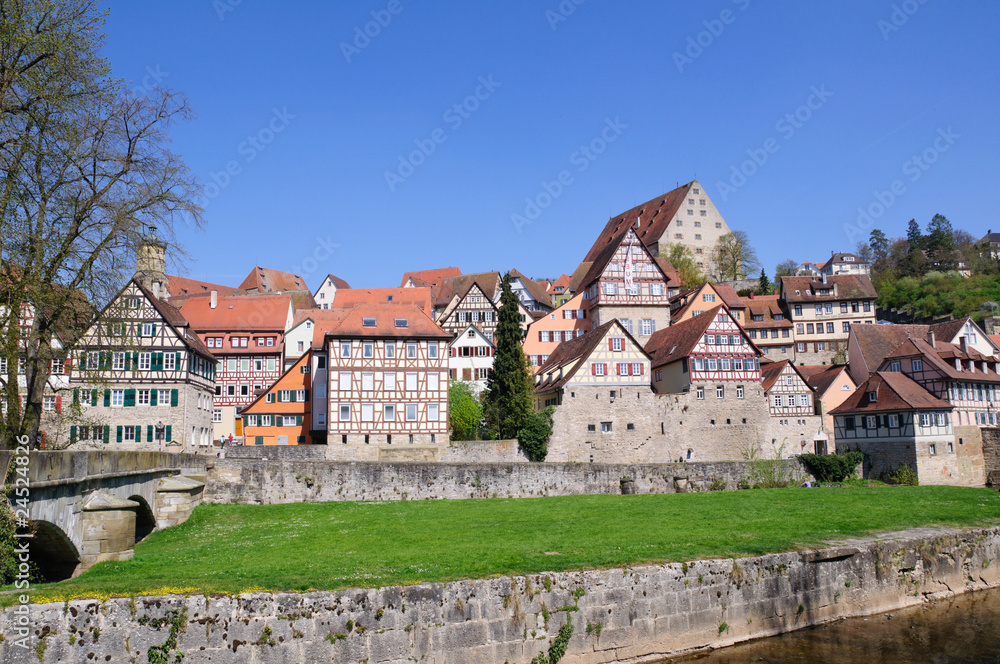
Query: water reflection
{"points": [[965, 630]]}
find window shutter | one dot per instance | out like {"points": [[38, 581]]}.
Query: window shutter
{"points": [[593, 368], [293, 396], [93, 397], [605, 369], [611, 345], [154, 329], [76, 395], [173, 397], [642, 369], [58, 404], [130, 397], [178, 360], [107, 397], [72, 434], [119, 433], [135, 361], [69, 365], [278, 421], [166, 434], [298, 420], [107, 433], [149, 432], [152, 397]]}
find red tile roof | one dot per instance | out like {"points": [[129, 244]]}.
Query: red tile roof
{"points": [[268, 280], [894, 391], [182, 287], [238, 313], [729, 296], [571, 352], [323, 320], [348, 299], [769, 309], [875, 342], [449, 287], [654, 216], [560, 285], [821, 376], [677, 341], [337, 281], [848, 287], [537, 290], [942, 357], [430, 277], [770, 372], [604, 257], [418, 323]]}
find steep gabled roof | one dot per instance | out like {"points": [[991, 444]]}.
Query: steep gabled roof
{"points": [[579, 273], [304, 360], [875, 342], [183, 287], [337, 281], [821, 376], [537, 290], [768, 308], [606, 254], [770, 372], [729, 296], [268, 280], [560, 285], [464, 334], [653, 218], [450, 287], [569, 355], [348, 299], [322, 319], [942, 355], [430, 278], [677, 341], [238, 313], [848, 286], [894, 391]]}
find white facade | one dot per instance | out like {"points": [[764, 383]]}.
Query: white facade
{"points": [[470, 357]]}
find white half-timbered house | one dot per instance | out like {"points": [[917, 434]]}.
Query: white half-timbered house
{"points": [[625, 282], [791, 402], [388, 385], [143, 378], [709, 352], [470, 357], [896, 423]]}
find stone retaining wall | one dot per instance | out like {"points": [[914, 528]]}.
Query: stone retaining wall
{"points": [[636, 614], [255, 481], [991, 456]]}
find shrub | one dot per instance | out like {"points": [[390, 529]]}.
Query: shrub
{"points": [[831, 467], [534, 437], [904, 475]]}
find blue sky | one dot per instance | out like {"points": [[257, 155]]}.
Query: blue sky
{"points": [[824, 104]]}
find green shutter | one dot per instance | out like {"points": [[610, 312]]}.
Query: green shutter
{"points": [[76, 395], [167, 434], [173, 397], [298, 420], [154, 329], [278, 421], [119, 433], [258, 440], [149, 432], [152, 397], [93, 397], [292, 396], [177, 362], [107, 433], [157, 362], [107, 397], [135, 361], [130, 397], [72, 434]]}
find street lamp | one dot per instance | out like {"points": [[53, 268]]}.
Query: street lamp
{"points": [[159, 433]]}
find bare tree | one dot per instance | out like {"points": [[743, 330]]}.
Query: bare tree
{"points": [[734, 257], [84, 171], [786, 268]]}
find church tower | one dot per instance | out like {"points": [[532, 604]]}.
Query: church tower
{"points": [[151, 263]]}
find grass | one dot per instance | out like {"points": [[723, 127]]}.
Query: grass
{"points": [[298, 547]]}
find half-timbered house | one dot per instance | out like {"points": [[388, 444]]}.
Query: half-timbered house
{"points": [[143, 378], [327, 290], [388, 385], [246, 333], [896, 423], [792, 405], [707, 353], [470, 357], [569, 321], [282, 414], [625, 282]]}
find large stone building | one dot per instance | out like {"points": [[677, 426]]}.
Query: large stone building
{"points": [[143, 378], [823, 311], [685, 216]]}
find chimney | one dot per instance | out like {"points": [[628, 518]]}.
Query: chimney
{"points": [[963, 342], [156, 289], [930, 333], [214, 302]]}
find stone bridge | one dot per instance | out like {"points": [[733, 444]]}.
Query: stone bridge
{"points": [[88, 507]]}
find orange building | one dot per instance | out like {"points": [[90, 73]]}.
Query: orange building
{"points": [[282, 415], [569, 321]]}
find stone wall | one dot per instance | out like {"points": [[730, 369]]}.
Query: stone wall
{"points": [[991, 456], [483, 451], [658, 428], [637, 614], [287, 481]]}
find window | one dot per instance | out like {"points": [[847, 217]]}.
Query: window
{"points": [[367, 381], [368, 349], [389, 382], [700, 393], [713, 364], [390, 349], [49, 404], [610, 289], [804, 400], [345, 412], [411, 351], [300, 396], [367, 412], [778, 403], [411, 412], [871, 422], [433, 382], [925, 419], [216, 414], [616, 344], [368, 322], [345, 381], [129, 434], [606, 427], [118, 361], [868, 307], [720, 392], [656, 289], [433, 410], [142, 398], [147, 329], [411, 382], [300, 346], [819, 309], [389, 413], [800, 347], [144, 359], [932, 449], [432, 350], [117, 397], [918, 365], [288, 421], [345, 348], [849, 423]]}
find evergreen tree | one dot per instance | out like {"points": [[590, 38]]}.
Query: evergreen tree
{"points": [[507, 403], [914, 235], [941, 244], [879, 244], [765, 286]]}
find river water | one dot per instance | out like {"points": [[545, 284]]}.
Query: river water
{"points": [[965, 630]]}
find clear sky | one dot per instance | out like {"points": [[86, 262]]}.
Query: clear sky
{"points": [[411, 147]]}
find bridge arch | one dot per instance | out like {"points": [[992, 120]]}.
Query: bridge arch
{"points": [[145, 519], [54, 554]]}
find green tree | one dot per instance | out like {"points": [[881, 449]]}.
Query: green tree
{"points": [[765, 287], [464, 410], [534, 436], [683, 260], [879, 244], [913, 235], [509, 389], [734, 257], [940, 243], [84, 170], [786, 268]]}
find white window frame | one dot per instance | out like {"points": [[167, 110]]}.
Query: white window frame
{"points": [[411, 412], [117, 398], [344, 411]]}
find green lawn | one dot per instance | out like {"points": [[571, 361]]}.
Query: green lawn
{"points": [[232, 548]]}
